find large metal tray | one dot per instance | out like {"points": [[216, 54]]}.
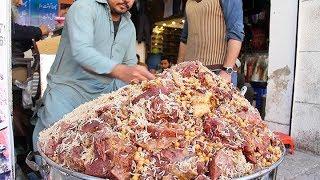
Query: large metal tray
{"points": [[69, 174]]}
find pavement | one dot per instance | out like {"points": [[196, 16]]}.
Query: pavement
{"points": [[300, 166]]}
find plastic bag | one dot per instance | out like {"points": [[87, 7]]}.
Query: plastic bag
{"points": [[29, 90]]}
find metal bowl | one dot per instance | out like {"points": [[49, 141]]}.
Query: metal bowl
{"points": [[64, 173], [266, 173]]}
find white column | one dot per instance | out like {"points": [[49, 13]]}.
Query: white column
{"points": [[282, 49], [141, 50], [6, 135], [306, 108]]}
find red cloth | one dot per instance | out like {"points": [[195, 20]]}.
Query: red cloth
{"points": [[286, 140]]}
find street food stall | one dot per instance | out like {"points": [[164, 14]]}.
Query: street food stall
{"points": [[186, 124]]}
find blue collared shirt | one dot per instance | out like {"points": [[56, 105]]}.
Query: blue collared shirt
{"points": [[233, 15], [88, 51]]}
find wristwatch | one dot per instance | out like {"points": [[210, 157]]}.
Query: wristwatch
{"points": [[228, 70]]}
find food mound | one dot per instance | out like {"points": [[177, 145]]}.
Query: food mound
{"points": [[188, 123]]}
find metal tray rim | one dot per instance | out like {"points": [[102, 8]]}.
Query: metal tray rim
{"points": [[88, 177]]}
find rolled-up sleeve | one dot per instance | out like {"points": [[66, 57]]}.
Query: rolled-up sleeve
{"points": [[184, 32], [233, 14], [80, 24]]}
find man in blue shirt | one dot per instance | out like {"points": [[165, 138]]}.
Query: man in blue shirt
{"points": [[96, 55], [213, 33]]}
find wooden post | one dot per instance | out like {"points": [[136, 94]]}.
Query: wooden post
{"points": [[6, 132]]}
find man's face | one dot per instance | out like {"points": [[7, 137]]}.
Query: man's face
{"points": [[17, 3], [120, 6], [165, 64]]}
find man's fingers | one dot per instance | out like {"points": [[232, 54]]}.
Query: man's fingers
{"points": [[149, 75], [144, 72], [134, 81], [133, 74], [140, 77]]}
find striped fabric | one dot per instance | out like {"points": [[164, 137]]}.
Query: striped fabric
{"points": [[206, 32], [35, 83]]}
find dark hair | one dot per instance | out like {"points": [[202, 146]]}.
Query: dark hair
{"points": [[138, 57], [166, 58]]}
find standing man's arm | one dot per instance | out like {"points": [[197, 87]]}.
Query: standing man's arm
{"points": [[233, 14], [183, 42], [81, 32], [20, 32], [80, 27]]}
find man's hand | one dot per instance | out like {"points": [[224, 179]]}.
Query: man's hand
{"points": [[130, 74], [225, 76], [44, 30]]}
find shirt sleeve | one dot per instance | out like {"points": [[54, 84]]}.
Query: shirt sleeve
{"points": [[184, 33], [80, 27], [20, 32], [233, 14]]}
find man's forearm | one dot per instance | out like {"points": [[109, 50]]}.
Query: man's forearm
{"points": [[21, 32], [233, 50], [182, 52]]}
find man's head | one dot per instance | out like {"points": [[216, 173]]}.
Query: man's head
{"points": [[165, 63], [14, 9], [17, 3], [120, 6]]}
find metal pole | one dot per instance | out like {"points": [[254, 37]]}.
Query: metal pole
{"points": [[6, 131]]}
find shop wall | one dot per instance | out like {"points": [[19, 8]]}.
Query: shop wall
{"points": [[283, 25], [306, 107]]}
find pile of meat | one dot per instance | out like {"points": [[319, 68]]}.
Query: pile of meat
{"points": [[188, 123]]}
